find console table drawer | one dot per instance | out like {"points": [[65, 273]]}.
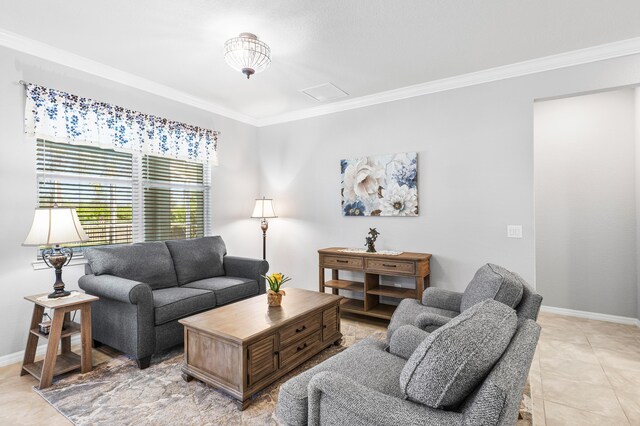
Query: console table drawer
{"points": [[299, 350], [396, 266], [342, 262], [300, 329]]}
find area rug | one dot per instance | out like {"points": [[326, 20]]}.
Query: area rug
{"points": [[116, 392]]}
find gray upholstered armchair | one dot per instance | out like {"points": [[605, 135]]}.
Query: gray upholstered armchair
{"points": [[439, 306], [472, 371]]}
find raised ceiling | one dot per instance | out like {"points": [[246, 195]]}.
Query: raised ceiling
{"points": [[362, 46]]}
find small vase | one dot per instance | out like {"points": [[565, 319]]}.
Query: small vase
{"points": [[273, 298]]}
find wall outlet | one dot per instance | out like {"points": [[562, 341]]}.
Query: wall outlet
{"points": [[514, 231]]}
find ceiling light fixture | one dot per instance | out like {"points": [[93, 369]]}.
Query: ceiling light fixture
{"points": [[247, 54]]}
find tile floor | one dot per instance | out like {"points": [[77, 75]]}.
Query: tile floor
{"points": [[584, 373]]}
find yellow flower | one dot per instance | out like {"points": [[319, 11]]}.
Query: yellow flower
{"points": [[277, 276]]}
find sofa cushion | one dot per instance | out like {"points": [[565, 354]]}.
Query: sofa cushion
{"points": [[149, 263], [493, 282], [453, 360], [366, 362], [178, 302], [228, 289], [197, 258]]}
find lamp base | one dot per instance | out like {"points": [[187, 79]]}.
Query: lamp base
{"points": [[61, 292]]}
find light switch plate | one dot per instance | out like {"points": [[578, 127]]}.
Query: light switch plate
{"points": [[514, 231]]}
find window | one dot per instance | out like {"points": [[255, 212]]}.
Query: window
{"points": [[122, 198]]}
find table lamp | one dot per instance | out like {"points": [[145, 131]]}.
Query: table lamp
{"points": [[264, 210], [52, 227]]}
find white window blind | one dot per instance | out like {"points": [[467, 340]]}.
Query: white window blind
{"points": [[174, 199], [122, 198]]}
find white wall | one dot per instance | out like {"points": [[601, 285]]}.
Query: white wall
{"points": [[235, 180], [475, 148], [584, 156], [637, 164]]}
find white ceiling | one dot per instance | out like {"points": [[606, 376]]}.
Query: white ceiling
{"points": [[362, 46]]}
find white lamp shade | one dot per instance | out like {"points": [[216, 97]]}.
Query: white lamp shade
{"points": [[55, 226], [264, 208]]}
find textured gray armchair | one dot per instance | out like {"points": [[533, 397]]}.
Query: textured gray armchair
{"points": [[472, 371], [146, 288], [439, 306]]}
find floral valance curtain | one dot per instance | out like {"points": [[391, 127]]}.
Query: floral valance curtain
{"points": [[64, 117]]}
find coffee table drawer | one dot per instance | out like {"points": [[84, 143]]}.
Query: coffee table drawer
{"points": [[300, 329], [396, 266], [299, 350], [342, 262]]}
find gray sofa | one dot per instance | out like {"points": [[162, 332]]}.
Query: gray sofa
{"points": [[439, 306], [145, 288], [471, 371]]}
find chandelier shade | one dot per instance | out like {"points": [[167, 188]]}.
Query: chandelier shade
{"points": [[247, 54]]}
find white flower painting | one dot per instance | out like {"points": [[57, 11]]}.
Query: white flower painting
{"points": [[385, 185]]}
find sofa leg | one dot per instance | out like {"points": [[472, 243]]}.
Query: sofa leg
{"points": [[95, 344], [144, 362]]}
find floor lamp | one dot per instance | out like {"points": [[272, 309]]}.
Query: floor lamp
{"points": [[263, 210]]}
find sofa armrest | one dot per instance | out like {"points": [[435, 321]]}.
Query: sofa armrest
{"points": [[442, 299], [116, 288], [336, 399], [405, 340], [247, 268], [429, 321]]}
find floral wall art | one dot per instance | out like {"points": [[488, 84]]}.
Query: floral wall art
{"points": [[383, 185]]}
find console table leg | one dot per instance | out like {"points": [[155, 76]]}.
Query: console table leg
{"points": [[65, 345], [32, 340], [85, 338], [49, 364]]}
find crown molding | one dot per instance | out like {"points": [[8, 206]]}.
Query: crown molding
{"points": [[63, 57], [547, 63], [577, 57]]}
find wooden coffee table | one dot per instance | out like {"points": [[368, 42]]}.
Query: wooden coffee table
{"points": [[243, 347]]}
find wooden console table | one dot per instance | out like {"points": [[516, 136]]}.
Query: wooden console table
{"points": [[62, 328], [373, 265]]}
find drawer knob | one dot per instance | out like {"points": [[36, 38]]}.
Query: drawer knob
{"points": [[388, 265], [342, 261], [299, 348], [301, 329]]}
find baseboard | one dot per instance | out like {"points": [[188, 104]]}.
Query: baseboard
{"points": [[591, 315], [19, 356]]}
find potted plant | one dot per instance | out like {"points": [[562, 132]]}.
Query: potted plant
{"points": [[274, 294]]}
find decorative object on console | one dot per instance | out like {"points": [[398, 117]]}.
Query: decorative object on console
{"points": [[264, 210], [247, 54], [371, 240], [385, 185], [383, 252], [274, 294], [52, 227]]}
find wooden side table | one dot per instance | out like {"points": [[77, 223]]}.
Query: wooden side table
{"points": [[54, 364]]}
